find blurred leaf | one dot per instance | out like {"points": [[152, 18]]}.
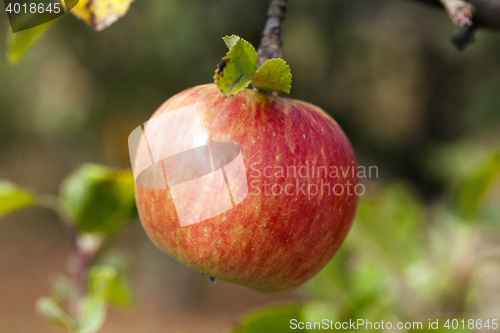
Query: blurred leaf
{"points": [[13, 198], [237, 67], [473, 190], [62, 288], [100, 14], [98, 198], [52, 311], [274, 320], [94, 306], [449, 163], [388, 228], [20, 42], [120, 292], [368, 281], [316, 311], [273, 75], [93, 315], [332, 282]]}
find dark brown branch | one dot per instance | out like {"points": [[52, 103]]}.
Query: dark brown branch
{"points": [[486, 12], [270, 44], [469, 15], [463, 37]]}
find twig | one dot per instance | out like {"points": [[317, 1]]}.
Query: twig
{"points": [[464, 36], [270, 44], [460, 11], [84, 251]]}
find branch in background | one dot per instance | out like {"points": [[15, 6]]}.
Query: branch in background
{"points": [[462, 14], [270, 44], [460, 11], [464, 36]]}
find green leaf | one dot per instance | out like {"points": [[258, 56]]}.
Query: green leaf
{"points": [[120, 292], [93, 315], [93, 308], [231, 41], [13, 198], [273, 75], [276, 320], [474, 189], [49, 309], [20, 42], [98, 198], [100, 14], [237, 67], [106, 283]]}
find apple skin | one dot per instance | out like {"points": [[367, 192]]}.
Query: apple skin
{"points": [[268, 243]]}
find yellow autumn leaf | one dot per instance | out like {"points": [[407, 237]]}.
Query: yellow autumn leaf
{"points": [[100, 14]]}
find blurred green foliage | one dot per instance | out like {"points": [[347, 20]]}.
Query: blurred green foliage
{"points": [[425, 241], [395, 266], [13, 198], [99, 199]]}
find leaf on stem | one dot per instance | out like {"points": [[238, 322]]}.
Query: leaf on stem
{"points": [[13, 198], [273, 75], [98, 198], [119, 292], [100, 14], [49, 309], [237, 67], [94, 306], [107, 284]]}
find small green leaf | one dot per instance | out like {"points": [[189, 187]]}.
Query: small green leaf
{"points": [[93, 315], [93, 308], [276, 320], [13, 198], [119, 292], [100, 14], [237, 67], [473, 190], [20, 42], [98, 198], [49, 309], [273, 75]]}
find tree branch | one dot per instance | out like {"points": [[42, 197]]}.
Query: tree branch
{"points": [[486, 13], [469, 15], [463, 36], [461, 12], [270, 43]]}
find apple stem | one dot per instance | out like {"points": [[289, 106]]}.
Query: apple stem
{"points": [[270, 43]]}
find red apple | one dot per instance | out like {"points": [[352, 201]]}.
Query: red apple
{"points": [[272, 241]]}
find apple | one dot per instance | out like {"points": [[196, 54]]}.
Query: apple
{"points": [[302, 192]]}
